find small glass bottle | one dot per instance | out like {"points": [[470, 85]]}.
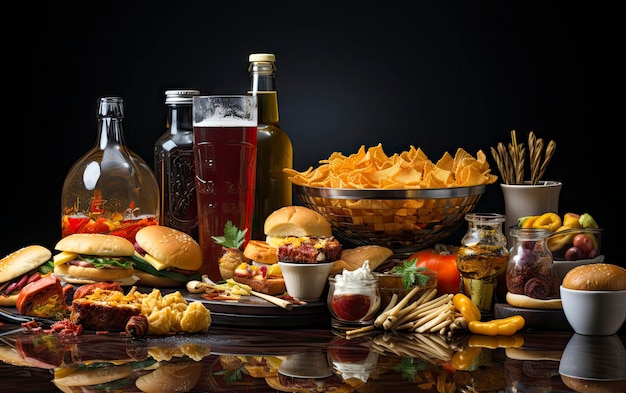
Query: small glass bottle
{"points": [[482, 257], [110, 189], [273, 189], [530, 268], [174, 164]]}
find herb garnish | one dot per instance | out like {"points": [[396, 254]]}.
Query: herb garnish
{"points": [[411, 274], [409, 367], [233, 237]]}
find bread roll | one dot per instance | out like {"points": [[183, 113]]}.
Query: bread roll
{"points": [[296, 221], [596, 277]]}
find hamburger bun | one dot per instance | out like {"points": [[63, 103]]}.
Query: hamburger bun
{"points": [[88, 275], [172, 247], [96, 244], [23, 261], [296, 221], [596, 277], [166, 257]]}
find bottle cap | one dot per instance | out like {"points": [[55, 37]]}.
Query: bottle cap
{"points": [[262, 57], [179, 96]]}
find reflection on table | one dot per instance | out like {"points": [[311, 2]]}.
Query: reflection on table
{"points": [[308, 360]]}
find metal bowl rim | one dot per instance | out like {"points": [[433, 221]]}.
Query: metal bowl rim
{"points": [[408, 193]]}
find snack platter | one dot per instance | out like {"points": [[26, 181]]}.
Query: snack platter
{"points": [[251, 311]]}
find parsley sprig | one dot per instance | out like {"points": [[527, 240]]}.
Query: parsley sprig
{"points": [[411, 274], [233, 236]]}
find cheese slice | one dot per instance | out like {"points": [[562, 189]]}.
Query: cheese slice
{"points": [[64, 257], [158, 265]]}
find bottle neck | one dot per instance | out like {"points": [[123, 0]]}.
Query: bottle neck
{"points": [[110, 114], [110, 132], [263, 85], [262, 76], [179, 118]]}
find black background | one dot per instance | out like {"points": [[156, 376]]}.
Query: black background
{"points": [[435, 75]]}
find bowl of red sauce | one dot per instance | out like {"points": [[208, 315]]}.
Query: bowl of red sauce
{"points": [[353, 298]]}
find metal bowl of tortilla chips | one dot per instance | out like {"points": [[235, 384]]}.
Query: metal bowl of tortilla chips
{"points": [[404, 202], [402, 220]]}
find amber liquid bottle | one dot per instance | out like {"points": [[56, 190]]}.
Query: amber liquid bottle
{"points": [[174, 164], [273, 189], [110, 189]]}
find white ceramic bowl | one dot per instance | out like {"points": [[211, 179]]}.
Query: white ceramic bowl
{"points": [[305, 281], [594, 313], [594, 358]]}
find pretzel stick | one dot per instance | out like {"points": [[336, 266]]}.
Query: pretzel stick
{"points": [[548, 156]]}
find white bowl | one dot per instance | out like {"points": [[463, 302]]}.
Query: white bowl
{"points": [[594, 313], [305, 281], [594, 358]]}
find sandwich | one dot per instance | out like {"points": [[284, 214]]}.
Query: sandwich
{"points": [[28, 264], [87, 258], [301, 235], [165, 257], [294, 234]]}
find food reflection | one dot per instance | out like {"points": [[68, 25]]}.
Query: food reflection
{"points": [[352, 358], [594, 362], [114, 363], [301, 360]]}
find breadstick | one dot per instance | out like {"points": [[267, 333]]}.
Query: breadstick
{"points": [[382, 317], [433, 322]]}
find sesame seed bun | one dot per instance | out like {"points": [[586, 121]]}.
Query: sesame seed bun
{"points": [[172, 247], [596, 277]]}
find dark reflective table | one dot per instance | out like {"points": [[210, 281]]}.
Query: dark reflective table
{"points": [[228, 359]]}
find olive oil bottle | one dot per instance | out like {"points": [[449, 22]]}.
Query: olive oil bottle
{"points": [[273, 188]]}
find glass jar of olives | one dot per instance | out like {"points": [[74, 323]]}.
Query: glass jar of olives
{"points": [[530, 268], [482, 257]]}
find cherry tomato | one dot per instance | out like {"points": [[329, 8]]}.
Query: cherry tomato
{"points": [[441, 259]]}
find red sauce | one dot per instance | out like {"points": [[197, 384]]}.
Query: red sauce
{"points": [[350, 307]]}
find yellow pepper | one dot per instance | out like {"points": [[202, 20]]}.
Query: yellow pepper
{"points": [[527, 222], [462, 360], [494, 342], [498, 327], [549, 221], [466, 307]]}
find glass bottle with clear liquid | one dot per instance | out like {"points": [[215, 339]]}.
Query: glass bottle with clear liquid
{"points": [[273, 189], [110, 189], [174, 164]]}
